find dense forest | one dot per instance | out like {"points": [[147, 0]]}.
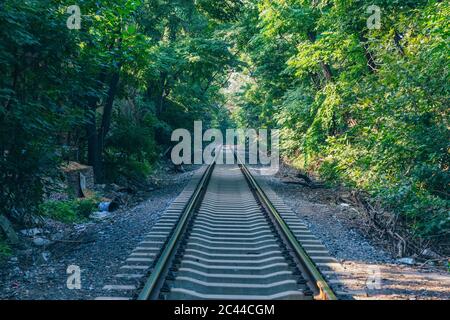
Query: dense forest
{"points": [[367, 107], [107, 94], [359, 102]]}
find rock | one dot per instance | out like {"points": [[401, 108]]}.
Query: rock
{"points": [[26, 252], [31, 232], [428, 253], [408, 261], [100, 215], [46, 255], [57, 236], [7, 228], [13, 260], [179, 168], [104, 206], [80, 227], [116, 203], [38, 241], [25, 256], [43, 258]]}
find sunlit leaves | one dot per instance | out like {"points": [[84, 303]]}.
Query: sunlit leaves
{"points": [[380, 122]]}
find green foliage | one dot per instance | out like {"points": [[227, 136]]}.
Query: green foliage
{"points": [[33, 100], [59, 210], [107, 95], [84, 207], [368, 108], [69, 211], [131, 148], [365, 107]]}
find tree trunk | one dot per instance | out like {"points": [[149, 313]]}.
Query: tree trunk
{"points": [[326, 70], [92, 138], [91, 128], [397, 39], [160, 105], [370, 60], [107, 111], [106, 123]]}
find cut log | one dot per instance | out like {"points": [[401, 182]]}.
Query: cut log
{"points": [[79, 178]]}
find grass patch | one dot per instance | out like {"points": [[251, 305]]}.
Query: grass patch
{"points": [[70, 211]]}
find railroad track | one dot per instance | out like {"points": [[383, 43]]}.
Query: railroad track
{"points": [[225, 239]]}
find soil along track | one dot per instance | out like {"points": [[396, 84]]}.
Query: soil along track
{"points": [[368, 270]]}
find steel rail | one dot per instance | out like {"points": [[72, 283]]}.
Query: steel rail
{"points": [[326, 293], [150, 288], [156, 280]]}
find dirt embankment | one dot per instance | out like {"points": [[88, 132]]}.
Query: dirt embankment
{"points": [[348, 233], [96, 247]]}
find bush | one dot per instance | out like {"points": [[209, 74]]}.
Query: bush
{"points": [[70, 211], [131, 148], [85, 207], [428, 215], [59, 210], [32, 111]]}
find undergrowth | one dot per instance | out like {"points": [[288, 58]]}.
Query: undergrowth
{"points": [[69, 211]]}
